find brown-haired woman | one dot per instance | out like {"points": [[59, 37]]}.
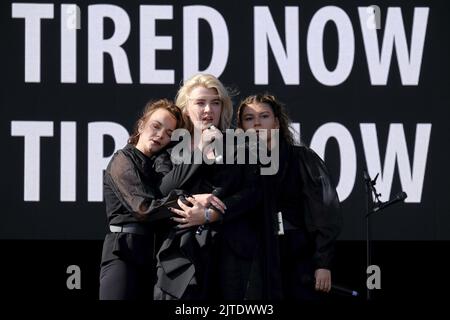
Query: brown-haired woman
{"points": [[302, 193], [132, 197]]}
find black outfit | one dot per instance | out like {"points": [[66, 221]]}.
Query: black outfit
{"points": [[133, 201], [189, 264], [304, 194]]}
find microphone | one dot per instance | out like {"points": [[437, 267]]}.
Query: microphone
{"points": [[217, 157], [398, 198], [216, 192], [310, 281]]}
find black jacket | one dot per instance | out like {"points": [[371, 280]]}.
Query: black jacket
{"points": [[303, 192], [187, 258]]}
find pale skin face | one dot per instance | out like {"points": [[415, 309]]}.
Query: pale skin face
{"points": [[155, 133], [258, 116], [204, 107]]}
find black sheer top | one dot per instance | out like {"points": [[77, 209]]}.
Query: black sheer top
{"points": [[131, 187]]}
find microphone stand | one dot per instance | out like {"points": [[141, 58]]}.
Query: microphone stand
{"points": [[372, 207], [370, 189]]}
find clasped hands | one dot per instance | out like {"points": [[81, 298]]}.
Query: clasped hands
{"points": [[189, 216]]}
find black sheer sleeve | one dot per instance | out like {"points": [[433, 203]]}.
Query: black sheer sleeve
{"points": [[139, 198]]}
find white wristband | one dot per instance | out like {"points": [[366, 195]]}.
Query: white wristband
{"points": [[207, 215]]}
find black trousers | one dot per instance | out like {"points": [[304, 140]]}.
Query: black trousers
{"points": [[121, 280], [127, 268], [239, 278], [296, 258]]}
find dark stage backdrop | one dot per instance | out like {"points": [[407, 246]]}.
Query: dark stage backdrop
{"points": [[366, 87]]}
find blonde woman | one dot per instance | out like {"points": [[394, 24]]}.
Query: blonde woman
{"points": [[201, 240]]}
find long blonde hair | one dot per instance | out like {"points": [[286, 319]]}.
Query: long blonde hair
{"points": [[207, 81]]}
